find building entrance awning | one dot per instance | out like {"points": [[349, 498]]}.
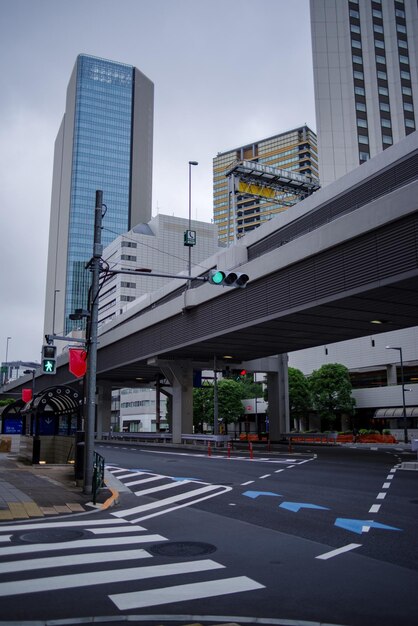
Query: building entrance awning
{"points": [[396, 412]]}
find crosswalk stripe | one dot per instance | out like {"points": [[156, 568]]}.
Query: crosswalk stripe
{"points": [[53, 583], [144, 480], [82, 543], [73, 559], [160, 503], [172, 485], [119, 529], [131, 474], [59, 524], [180, 593]]}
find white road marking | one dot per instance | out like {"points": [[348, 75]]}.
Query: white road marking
{"points": [[249, 482], [160, 503], [82, 543], [119, 529], [278, 471], [73, 559], [131, 475], [5, 538], [71, 581], [180, 593], [338, 551], [365, 529], [386, 485], [170, 485], [103, 522], [375, 508], [265, 476], [389, 477], [144, 480], [381, 496]]}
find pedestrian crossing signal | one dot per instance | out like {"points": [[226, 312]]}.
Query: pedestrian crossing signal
{"points": [[49, 359]]}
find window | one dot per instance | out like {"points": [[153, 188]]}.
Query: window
{"points": [[409, 123], [384, 106], [358, 75], [361, 123], [408, 106], [405, 75], [384, 91], [357, 59], [128, 257], [364, 156], [129, 244], [363, 139], [355, 43], [403, 59], [359, 91], [401, 28], [403, 44], [407, 91], [355, 14], [360, 106], [378, 28], [377, 13], [379, 43], [387, 139], [355, 29], [382, 75], [380, 59], [385, 123], [399, 13]]}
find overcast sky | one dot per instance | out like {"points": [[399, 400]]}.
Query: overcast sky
{"points": [[226, 73]]}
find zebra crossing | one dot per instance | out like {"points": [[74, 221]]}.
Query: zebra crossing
{"points": [[170, 492], [82, 564]]}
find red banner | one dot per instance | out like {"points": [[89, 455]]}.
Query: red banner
{"points": [[26, 395], [78, 362]]}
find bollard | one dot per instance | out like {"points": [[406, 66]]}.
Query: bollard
{"points": [[290, 444], [229, 450], [268, 445], [251, 450], [209, 449]]}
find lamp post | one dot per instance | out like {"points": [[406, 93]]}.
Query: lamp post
{"points": [[191, 163], [405, 428], [53, 312], [6, 376]]}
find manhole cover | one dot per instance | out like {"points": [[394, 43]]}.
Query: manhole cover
{"points": [[182, 548], [50, 535]]}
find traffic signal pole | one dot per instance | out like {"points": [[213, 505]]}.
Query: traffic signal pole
{"points": [[90, 418]]}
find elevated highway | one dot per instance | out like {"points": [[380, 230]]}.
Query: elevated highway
{"points": [[341, 264]]}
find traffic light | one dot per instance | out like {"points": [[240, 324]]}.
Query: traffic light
{"points": [[49, 359], [228, 278]]}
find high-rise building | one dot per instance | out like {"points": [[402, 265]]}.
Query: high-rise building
{"points": [[365, 58], [105, 142], [294, 150]]}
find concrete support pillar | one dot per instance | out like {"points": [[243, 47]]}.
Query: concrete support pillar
{"points": [[180, 376], [104, 409], [391, 374], [278, 398]]}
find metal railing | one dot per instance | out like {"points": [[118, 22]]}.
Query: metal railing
{"points": [[98, 474]]}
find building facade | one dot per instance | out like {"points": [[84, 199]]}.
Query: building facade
{"points": [[365, 57], [158, 246], [105, 142], [294, 150]]}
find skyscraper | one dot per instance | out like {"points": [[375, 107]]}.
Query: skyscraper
{"points": [[105, 142], [365, 58], [294, 150]]}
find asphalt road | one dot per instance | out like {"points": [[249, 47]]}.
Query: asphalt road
{"points": [[320, 536]]}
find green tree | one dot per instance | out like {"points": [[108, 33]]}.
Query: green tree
{"points": [[331, 391], [229, 402], [300, 400]]}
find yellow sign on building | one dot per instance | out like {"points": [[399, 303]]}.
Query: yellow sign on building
{"points": [[255, 190]]}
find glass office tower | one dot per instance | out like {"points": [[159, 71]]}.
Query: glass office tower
{"points": [[104, 142]]}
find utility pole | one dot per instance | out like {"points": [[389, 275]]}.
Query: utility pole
{"points": [[92, 345]]}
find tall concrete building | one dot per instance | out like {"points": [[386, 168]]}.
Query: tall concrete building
{"points": [[294, 150], [105, 142], [365, 58]]}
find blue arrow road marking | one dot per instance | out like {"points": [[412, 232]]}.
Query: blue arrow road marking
{"points": [[180, 479], [357, 525], [255, 494], [296, 506]]}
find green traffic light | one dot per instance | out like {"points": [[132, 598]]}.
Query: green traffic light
{"points": [[218, 277]]}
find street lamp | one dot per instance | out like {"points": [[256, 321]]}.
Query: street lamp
{"points": [[6, 377], [405, 428], [191, 163], [53, 312]]}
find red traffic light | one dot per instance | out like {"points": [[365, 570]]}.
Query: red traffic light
{"points": [[243, 372], [77, 362]]}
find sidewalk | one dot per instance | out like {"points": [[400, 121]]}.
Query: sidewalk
{"points": [[31, 491]]}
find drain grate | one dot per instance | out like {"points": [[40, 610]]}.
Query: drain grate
{"points": [[182, 548], [50, 535]]}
